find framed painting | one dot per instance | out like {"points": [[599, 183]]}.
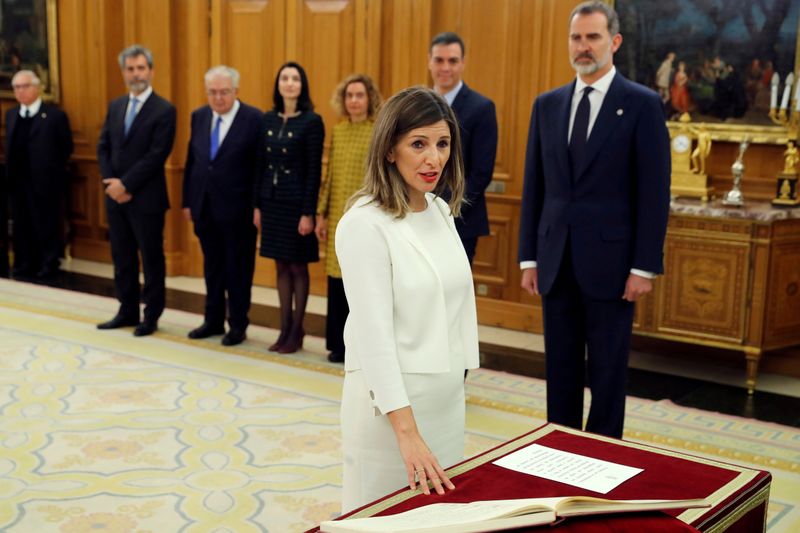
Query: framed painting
{"points": [[29, 41], [716, 60]]}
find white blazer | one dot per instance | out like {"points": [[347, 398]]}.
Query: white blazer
{"points": [[397, 322]]}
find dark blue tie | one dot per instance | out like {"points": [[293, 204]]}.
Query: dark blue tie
{"points": [[215, 138], [580, 131]]}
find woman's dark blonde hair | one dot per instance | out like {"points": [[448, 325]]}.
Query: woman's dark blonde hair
{"points": [[411, 108], [373, 95]]}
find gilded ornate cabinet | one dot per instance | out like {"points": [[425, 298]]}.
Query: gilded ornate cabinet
{"points": [[732, 280]]}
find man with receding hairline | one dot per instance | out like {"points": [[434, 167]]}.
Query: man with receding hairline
{"points": [[38, 145], [593, 221]]}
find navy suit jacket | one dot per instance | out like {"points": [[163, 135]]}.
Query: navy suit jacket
{"points": [[49, 145], [614, 212], [224, 185], [138, 158], [478, 127]]}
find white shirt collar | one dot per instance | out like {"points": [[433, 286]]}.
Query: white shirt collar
{"points": [[450, 96], [600, 85], [32, 109], [143, 96], [227, 118]]}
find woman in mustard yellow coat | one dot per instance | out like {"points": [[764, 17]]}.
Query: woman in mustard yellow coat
{"points": [[357, 99]]}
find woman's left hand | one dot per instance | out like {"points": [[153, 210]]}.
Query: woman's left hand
{"points": [[306, 225]]}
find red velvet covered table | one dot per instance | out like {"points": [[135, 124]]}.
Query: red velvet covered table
{"points": [[738, 495]]}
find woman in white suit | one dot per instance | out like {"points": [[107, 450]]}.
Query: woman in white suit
{"points": [[412, 328]]}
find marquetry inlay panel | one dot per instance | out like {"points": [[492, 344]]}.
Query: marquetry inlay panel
{"points": [[704, 289], [784, 293]]}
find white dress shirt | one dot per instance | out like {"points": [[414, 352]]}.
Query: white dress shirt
{"points": [[596, 97], [31, 109], [451, 94], [227, 120]]}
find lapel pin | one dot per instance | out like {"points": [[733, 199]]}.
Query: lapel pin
{"points": [[44, 115], [620, 112]]}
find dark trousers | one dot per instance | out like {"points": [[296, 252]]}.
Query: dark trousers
{"points": [[337, 315], [229, 255], [573, 325], [132, 233], [37, 240], [470, 244]]}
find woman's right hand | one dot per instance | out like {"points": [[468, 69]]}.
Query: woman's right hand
{"points": [[421, 464], [321, 229], [257, 218]]}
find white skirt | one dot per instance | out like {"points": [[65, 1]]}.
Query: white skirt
{"points": [[373, 466]]}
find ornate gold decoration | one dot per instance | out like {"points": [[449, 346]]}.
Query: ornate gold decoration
{"points": [[786, 190], [689, 176]]}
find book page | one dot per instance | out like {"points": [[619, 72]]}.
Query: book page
{"points": [[565, 467], [440, 515]]}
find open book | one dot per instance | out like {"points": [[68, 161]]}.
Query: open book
{"points": [[497, 515]]}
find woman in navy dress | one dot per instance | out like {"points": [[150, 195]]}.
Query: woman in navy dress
{"points": [[285, 196]]}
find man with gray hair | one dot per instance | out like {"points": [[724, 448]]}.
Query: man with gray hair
{"points": [[218, 198], [38, 145], [134, 144]]}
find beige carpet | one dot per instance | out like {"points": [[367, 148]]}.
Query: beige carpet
{"points": [[101, 431]]}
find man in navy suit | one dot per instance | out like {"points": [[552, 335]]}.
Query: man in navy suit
{"points": [[595, 204], [134, 144], [217, 197], [38, 145], [478, 124]]}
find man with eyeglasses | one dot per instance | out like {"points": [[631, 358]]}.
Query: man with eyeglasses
{"points": [[133, 147], [38, 145], [217, 198]]}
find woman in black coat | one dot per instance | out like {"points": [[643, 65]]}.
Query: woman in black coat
{"points": [[285, 196]]}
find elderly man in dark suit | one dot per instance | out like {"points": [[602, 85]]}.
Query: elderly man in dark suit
{"points": [[595, 204], [218, 198], [478, 124], [134, 144], [38, 145]]}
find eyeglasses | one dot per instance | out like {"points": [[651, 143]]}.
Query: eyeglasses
{"points": [[21, 86], [223, 92]]}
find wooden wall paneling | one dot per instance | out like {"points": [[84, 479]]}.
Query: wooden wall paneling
{"points": [[90, 35], [491, 43], [252, 39], [321, 38], [191, 56], [405, 35], [78, 97], [783, 297]]}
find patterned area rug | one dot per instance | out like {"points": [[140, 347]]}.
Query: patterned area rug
{"points": [[101, 431]]}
